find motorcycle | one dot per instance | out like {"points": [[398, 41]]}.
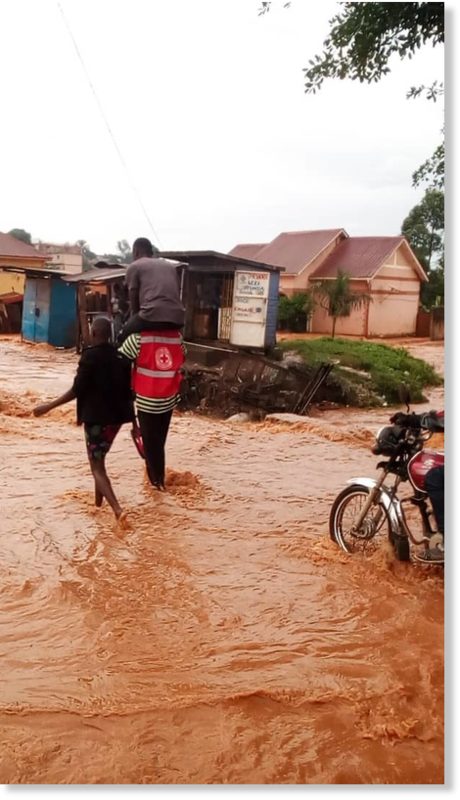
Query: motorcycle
{"points": [[368, 509]]}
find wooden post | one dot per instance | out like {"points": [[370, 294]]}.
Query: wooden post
{"points": [[82, 318]]}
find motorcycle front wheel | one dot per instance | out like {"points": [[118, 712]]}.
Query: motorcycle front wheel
{"points": [[342, 522]]}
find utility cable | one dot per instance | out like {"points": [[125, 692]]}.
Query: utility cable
{"points": [[109, 129]]}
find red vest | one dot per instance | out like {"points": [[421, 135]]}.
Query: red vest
{"points": [[157, 369]]}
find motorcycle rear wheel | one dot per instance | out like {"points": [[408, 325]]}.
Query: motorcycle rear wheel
{"points": [[375, 528]]}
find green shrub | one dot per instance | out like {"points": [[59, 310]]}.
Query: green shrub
{"points": [[293, 311], [387, 367]]}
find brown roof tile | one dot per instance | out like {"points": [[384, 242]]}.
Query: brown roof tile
{"points": [[359, 256], [245, 250], [293, 250], [11, 247]]}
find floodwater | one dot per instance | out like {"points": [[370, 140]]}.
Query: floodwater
{"points": [[222, 638]]}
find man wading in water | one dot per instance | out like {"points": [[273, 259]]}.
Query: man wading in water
{"points": [[152, 340], [104, 402]]}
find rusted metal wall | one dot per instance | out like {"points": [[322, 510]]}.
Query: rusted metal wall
{"points": [[437, 323], [423, 323]]}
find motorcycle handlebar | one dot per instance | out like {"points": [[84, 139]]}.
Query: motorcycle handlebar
{"points": [[429, 421]]}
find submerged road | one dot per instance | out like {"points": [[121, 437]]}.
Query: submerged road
{"points": [[221, 638]]}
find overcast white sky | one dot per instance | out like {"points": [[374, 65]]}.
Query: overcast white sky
{"points": [[206, 101]]}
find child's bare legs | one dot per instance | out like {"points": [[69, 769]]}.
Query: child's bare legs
{"points": [[103, 487], [99, 439]]}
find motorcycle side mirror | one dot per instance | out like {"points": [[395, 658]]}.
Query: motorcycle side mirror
{"points": [[404, 395]]}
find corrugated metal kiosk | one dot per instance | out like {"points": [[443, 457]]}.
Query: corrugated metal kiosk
{"points": [[49, 310], [99, 291], [49, 307], [228, 299]]}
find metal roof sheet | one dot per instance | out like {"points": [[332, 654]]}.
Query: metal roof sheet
{"points": [[36, 272], [97, 275], [11, 297], [225, 259], [102, 274]]}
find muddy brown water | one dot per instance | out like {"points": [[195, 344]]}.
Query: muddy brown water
{"points": [[222, 638]]}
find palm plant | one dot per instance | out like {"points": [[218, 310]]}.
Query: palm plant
{"points": [[337, 298]]}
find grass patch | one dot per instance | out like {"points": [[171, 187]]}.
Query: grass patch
{"points": [[386, 369]]}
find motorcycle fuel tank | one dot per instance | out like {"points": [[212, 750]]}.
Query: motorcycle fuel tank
{"points": [[421, 463]]}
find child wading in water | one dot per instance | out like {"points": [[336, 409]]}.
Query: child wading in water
{"points": [[102, 388]]}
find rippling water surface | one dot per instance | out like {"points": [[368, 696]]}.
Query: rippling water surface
{"points": [[221, 638]]}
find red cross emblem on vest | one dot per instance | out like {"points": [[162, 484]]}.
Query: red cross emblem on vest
{"points": [[163, 358]]}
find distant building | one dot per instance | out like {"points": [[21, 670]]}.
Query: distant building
{"points": [[384, 267], [14, 255], [66, 258]]}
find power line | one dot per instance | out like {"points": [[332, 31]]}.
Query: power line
{"points": [[104, 117]]}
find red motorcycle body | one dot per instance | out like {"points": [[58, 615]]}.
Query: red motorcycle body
{"points": [[420, 464]]}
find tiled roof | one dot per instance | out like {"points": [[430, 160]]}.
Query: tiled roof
{"points": [[293, 250], [359, 256], [11, 247], [246, 250]]}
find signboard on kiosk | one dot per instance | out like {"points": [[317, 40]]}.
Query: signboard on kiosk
{"points": [[249, 311]]}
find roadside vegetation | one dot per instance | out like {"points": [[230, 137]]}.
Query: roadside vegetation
{"points": [[365, 373]]}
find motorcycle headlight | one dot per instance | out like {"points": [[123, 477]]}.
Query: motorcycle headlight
{"points": [[388, 440]]}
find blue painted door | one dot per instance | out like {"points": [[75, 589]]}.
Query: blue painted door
{"points": [[42, 310], [36, 310], [63, 318], [28, 310]]}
